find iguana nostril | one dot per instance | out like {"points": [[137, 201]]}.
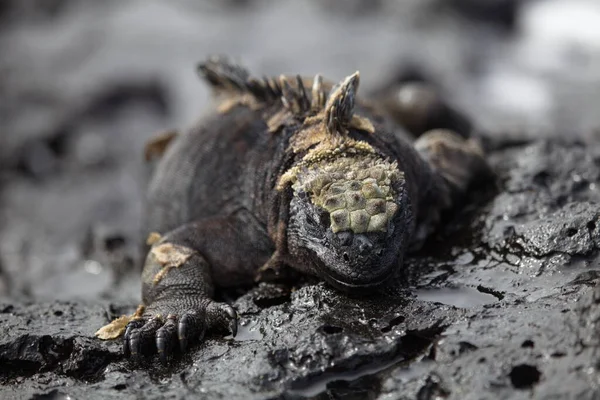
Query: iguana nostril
{"points": [[346, 257], [363, 243], [345, 238]]}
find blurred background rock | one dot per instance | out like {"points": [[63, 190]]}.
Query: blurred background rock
{"points": [[83, 85]]}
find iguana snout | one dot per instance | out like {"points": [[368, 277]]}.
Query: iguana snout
{"points": [[362, 262]]}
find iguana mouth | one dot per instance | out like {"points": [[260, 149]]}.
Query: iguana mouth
{"points": [[343, 285], [347, 285], [363, 260]]}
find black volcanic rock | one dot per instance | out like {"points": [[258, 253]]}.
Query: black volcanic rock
{"points": [[489, 316]]}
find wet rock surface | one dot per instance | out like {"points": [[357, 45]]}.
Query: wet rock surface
{"points": [[503, 302], [492, 310]]}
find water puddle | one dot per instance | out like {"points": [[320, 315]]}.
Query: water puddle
{"points": [[403, 373], [319, 385], [247, 330], [462, 297]]}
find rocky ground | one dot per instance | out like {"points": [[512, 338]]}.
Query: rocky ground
{"points": [[503, 302]]}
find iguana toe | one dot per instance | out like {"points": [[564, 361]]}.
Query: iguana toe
{"points": [[131, 326], [222, 316], [141, 339], [166, 338], [190, 328]]}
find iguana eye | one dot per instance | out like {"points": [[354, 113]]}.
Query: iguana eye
{"points": [[311, 220], [324, 218]]}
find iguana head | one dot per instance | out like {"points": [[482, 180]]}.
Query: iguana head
{"points": [[349, 213], [348, 217]]}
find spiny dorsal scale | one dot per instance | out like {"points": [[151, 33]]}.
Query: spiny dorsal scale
{"points": [[288, 95], [340, 105], [294, 98], [272, 87], [335, 109], [303, 96], [319, 96], [224, 75], [263, 88]]}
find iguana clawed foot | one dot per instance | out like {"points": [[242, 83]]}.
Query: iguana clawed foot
{"points": [[167, 334]]}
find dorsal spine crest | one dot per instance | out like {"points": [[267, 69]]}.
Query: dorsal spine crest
{"points": [[339, 108], [334, 109], [224, 76], [294, 99], [319, 96]]}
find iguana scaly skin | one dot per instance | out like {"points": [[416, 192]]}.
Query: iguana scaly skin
{"points": [[289, 171]]}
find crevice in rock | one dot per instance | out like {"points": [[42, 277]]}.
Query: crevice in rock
{"points": [[465, 347], [331, 329], [524, 376], [270, 295], [497, 294], [591, 225], [393, 322], [528, 344]]}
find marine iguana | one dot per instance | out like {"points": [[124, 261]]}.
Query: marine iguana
{"points": [[290, 171]]}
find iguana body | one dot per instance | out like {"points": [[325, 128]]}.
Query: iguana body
{"points": [[293, 172]]}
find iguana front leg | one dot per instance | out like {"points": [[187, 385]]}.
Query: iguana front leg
{"points": [[182, 270], [459, 161]]}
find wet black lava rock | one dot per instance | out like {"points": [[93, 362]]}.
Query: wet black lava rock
{"points": [[536, 265]]}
